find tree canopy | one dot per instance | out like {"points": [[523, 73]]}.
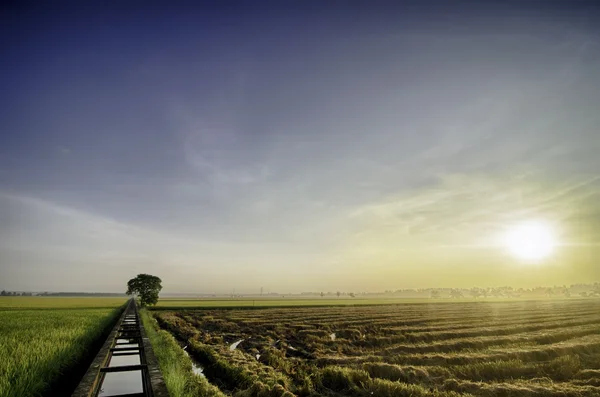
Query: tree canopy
{"points": [[146, 286]]}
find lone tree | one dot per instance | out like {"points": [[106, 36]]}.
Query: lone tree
{"points": [[146, 286]]}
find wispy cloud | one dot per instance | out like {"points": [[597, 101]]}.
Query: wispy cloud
{"points": [[40, 239], [64, 150], [470, 209], [245, 160]]}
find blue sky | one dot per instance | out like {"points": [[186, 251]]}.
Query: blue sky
{"points": [[296, 148]]}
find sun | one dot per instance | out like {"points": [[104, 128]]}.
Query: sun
{"points": [[531, 241]]}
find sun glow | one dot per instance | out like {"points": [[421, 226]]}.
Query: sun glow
{"points": [[531, 241]]}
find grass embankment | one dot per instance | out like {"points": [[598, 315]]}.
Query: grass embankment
{"points": [[44, 350], [175, 365]]}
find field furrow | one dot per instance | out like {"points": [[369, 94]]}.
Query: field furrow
{"points": [[549, 348]]}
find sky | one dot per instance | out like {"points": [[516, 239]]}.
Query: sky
{"points": [[305, 146]]}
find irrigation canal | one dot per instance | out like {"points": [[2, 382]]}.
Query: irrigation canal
{"points": [[125, 366]]}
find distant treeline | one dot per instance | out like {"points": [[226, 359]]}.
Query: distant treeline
{"points": [[12, 293], [80, 294], [574, 290], [9, 293]]}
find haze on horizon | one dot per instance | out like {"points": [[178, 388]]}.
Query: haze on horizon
{"points": [[300, 147]]}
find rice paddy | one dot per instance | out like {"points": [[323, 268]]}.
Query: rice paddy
{"points": [[45, 342], [516, 348]]}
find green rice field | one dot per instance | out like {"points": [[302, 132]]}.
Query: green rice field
{"points": [[45, 342], [51, 302]]}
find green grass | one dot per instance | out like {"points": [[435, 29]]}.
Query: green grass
{"points": [[175, 366], [51, 302], [43, 348]]}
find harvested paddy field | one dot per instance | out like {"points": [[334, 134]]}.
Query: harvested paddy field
{"points": [[526, 348]]}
